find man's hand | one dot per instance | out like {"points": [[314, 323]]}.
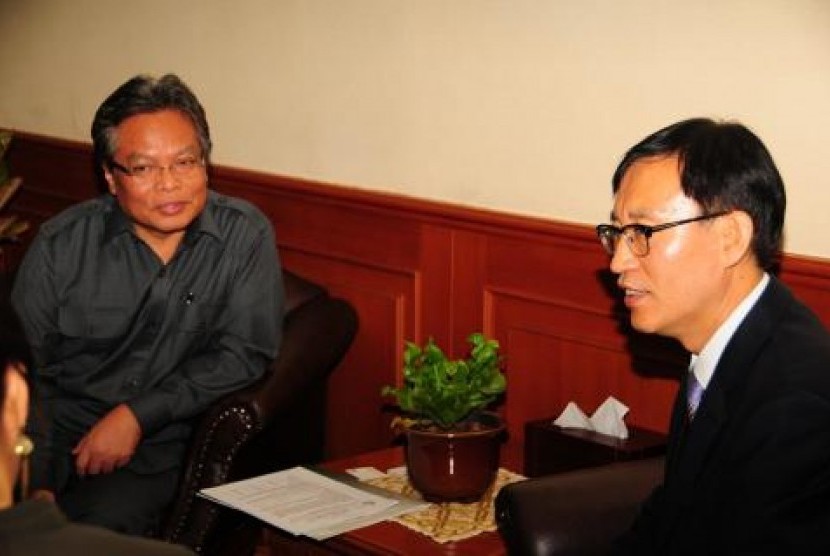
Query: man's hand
{"points": [[42, 494], [109, 444]]}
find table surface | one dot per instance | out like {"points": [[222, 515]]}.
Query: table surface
{"points": [[391, 538]]}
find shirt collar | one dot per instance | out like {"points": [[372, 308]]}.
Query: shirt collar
{"points": [[205, 223], [703, 365], [115, 221]]}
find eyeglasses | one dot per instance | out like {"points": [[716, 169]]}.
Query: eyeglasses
{"points": [[637, 235], [150, 173]]}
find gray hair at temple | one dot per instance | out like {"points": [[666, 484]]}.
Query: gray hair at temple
{"points": [[144, 94]]}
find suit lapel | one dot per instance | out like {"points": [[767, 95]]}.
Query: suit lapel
{"points": [[733, 371]]}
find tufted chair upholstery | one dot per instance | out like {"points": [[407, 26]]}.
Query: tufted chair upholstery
{"points": [[274, 424]]}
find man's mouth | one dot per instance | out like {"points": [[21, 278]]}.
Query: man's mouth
{"points": [[632, 294], [173, 208]]}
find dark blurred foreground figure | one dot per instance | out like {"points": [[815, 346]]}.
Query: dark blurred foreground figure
{"points": [[37, 527], [142, 307], [696, 228]]}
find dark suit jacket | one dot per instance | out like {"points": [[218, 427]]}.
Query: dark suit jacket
{"points": [[751, 473]]}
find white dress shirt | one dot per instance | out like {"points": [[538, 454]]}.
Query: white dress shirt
{"points": [[703, 364]]}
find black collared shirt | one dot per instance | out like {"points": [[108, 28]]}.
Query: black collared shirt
{"points": [[109, 323]]}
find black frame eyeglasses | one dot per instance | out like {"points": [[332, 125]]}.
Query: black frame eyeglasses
{"points": [[637, 235]]}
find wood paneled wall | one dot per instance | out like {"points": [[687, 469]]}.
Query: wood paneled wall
{"points": [[415, 269]]}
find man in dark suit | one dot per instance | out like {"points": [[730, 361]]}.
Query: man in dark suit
{"points": [[697, 226]]}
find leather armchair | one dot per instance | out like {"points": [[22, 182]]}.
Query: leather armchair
{"points": [[277, 423], [578, 512]]}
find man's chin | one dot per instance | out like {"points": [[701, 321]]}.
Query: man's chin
{"points": [[641, 323]]}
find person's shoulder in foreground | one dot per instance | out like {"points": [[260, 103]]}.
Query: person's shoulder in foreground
{"points": [[39, 528]]}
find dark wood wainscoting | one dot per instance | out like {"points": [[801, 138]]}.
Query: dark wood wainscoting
{"points": [[415, 269]]}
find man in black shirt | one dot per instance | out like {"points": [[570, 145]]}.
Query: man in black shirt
{"points": [[142, 306]]}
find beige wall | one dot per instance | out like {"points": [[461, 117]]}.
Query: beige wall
{"points": [[517, 105]]}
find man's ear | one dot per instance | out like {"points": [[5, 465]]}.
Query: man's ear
{"points": [[16, 402], [736, 230], [109, 178]]}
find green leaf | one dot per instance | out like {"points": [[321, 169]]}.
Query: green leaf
{"points": [[448, 391]]}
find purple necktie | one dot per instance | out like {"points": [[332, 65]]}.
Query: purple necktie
{"points": [[694, 391]]}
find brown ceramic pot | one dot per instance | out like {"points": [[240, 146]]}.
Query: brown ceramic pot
{"points": [[454, 466]]}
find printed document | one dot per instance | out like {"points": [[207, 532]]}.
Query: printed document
{"points": [[304, 502]]}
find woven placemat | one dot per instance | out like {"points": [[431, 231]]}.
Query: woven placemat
{"points": [[450, 521]]}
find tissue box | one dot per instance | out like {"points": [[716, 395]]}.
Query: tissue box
{"points": [[551, 449]]}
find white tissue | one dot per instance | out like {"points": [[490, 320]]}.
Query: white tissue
{"points": [[607, 419], [573, 418]]}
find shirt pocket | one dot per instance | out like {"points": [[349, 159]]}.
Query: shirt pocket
{"points": [[95, 323], [83, 337]]}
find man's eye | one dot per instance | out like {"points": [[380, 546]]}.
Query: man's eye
{"points": [[187, 163], [141, 169]]}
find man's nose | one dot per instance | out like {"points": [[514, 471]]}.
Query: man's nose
{"points": [[623, 258], [166, 178]]}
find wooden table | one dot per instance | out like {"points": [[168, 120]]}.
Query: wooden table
{"points": [[387, 537]]}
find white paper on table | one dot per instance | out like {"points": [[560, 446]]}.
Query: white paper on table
{"points": [[365, 473], [303, 502]]}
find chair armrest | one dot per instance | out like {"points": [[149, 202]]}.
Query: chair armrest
{"points": [[578, 512], [316, 335]]}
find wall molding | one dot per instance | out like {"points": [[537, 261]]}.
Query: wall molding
{"points": [[415, 269]]}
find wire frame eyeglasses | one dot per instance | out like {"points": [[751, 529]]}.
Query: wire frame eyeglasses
{"points": [[148, 173], [637, 235]]}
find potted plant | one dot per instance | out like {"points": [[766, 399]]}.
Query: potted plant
{"points": [[452, 448]]}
